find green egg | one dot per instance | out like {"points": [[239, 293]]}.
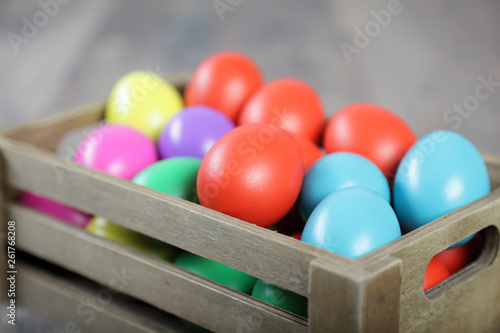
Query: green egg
{"points": [[175, 176], [217, 272], [281, 298]]}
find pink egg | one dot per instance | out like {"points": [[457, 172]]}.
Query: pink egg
{"points": [[117, 150], [55, 209]]}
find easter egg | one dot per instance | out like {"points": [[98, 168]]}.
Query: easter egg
{"points": [[193, 131], [217, 272], [455, 258], [55, 209], [118, 150], [143, 100], [288, 103], [223, 81], [174, 176], [340, 170], [310, 151], [370, 131], [435, 273], [352, 222], [115, 232], [440, 173], [281, 298], [253, 173]]}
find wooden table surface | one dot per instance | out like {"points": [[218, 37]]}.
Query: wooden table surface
{"points": [[425, 61]]}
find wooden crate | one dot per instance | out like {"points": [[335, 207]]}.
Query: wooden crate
{"points": [[69, 303], [380, 292]]}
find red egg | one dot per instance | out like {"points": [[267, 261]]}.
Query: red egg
{"points": [[254, 173], [310, 151], [456, 258], [288, 103], [435, 273], [371, 131], [223, 81]]}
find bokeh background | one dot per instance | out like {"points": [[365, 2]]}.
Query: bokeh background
{"points": [[427, 58]]}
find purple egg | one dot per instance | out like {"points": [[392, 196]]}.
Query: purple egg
{"points": [[193, 131]]}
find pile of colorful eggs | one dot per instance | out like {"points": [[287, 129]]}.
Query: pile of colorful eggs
{"points": [[260, 151]]}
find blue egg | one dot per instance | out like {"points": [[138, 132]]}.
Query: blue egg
{"points": [[339, 170], [440, 173], [352, 222]]}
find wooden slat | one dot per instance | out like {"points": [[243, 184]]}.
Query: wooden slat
{"points": [[349, 299], [493, 164], [48, 131], [444, 231], [467, 302], [278, 259], [156, 282], [3, 230], [81, 308]]}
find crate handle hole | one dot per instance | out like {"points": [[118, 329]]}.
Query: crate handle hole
{"points": [[457, 264]]}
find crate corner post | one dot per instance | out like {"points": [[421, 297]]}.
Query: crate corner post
{"points": [[355, 298]]}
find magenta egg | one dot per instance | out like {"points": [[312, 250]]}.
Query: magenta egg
{"points": [[55, 209], [117, 150]]}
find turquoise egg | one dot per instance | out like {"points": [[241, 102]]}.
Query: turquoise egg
{"points": [[352, 222], [339, 170], [440, 173]]}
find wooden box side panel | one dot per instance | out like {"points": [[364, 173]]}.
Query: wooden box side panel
{"points": [[157, 282], [493, 164], [467, 302]]}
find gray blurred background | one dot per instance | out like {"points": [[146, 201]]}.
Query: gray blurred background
{"points": [[428, 56], [425, 62]]}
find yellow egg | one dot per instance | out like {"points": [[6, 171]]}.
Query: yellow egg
{"points": [[104, 228], [143, 100]]}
